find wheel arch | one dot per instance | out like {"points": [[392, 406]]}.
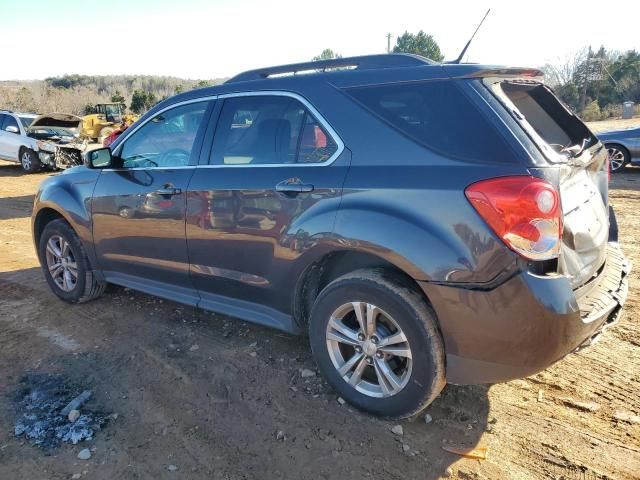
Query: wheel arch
{"points": [[70, 201], [334, 264]]}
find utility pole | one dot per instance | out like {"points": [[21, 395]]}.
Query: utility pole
{"points": [[388, 43]]}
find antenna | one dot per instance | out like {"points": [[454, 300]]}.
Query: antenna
{"points": [[464, 50]]}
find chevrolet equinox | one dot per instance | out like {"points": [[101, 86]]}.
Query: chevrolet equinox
{"points": [[424, 223]]}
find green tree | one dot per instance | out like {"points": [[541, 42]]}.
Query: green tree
{"points": [[139, 101], [203, 83], [117, 97], [419, 44], [327, 54], [179, 89]]}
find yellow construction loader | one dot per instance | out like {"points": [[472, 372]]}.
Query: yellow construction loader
{"points": [[106, 118]]}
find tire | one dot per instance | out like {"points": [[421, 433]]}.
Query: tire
{"points": [[87, 286], [613, 225], [29, 160], [618, 157], [395, 301]]}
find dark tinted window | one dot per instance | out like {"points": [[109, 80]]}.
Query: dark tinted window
{"points": [[269, 130], [166, 140], [9, 121], [438, 115]]}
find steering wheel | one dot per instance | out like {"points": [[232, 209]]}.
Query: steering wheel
{"points": [[149, 163], [174, 152]]}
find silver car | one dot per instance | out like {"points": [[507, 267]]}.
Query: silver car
{"points": [[623, 147], [15, 144], [51, 140]]}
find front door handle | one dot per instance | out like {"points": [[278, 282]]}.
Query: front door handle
{"points": [[293, 185], [168, 190]]}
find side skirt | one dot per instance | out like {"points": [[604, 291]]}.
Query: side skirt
{"points": [[248, 311]]}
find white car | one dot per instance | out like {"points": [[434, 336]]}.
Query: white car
{"points": [[34, 141], [15, 145]]}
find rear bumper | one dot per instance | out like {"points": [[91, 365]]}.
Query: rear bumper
{"points": [[527, 323]]}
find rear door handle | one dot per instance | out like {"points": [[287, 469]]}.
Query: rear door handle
{"points": [[166, 190], [293, 185]]}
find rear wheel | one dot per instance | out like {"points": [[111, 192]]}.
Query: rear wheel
{"points": [[618, 157], [65, 264], [29, 160], [376, 341]]}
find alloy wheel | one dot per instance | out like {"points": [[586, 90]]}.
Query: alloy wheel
{"points": [[26, 160], [368, 349], [616, 158], [61, 263]]}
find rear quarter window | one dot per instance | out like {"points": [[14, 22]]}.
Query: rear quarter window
{"points": [[439, 116]]}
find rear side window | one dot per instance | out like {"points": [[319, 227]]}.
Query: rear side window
{"points": [[269, 130], [437, 115]]}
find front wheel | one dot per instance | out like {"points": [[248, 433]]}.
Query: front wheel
{"points": [[29, 160], [65, 264], [618, 157], [377, 343]]}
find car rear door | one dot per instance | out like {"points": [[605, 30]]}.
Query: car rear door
{"points": [[269, 191], [138, 209]]}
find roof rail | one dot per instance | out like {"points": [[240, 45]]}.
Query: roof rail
{"points": [[365, 62]]}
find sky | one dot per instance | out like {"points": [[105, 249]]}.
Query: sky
{"points": [[202, 39]]}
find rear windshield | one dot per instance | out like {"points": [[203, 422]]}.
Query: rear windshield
{"points": [[549, 118], [438, 115]]}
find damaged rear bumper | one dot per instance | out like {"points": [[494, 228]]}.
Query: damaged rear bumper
{"points": [[527, 323]]}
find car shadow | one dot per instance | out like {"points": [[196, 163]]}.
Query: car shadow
{"points": [[16, 207], [626, 179], [11, 169], [241, 389]]}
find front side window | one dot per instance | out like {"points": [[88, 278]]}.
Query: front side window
{"points": [[269, 130], [166, 140], [26, 121]]}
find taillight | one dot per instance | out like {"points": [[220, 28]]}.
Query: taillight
{"points": [[523, 211]]}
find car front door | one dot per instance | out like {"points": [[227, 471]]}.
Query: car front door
{"points": [[10, 141], [138, 208], [269, 192]]}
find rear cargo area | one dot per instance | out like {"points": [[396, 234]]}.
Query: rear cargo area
{"points": [[580, 170]]}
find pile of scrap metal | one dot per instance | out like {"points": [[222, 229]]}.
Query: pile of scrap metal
{"points": [[58, 139]]}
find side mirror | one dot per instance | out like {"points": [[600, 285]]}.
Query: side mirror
{"points": [[99, 158], [12, 129]]}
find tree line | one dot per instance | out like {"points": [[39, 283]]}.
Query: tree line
{"points": [[594, 84], [78, 94]]}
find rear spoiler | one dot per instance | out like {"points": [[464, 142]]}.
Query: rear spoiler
{"points": [[482, 71]]}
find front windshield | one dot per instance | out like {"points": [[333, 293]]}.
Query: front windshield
{"points": [[26, 121], [112, 109]]}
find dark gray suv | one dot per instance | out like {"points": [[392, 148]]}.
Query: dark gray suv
{"points": [[425, 223]]}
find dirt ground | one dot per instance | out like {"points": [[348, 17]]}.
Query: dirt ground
{"points": [[217, 398]]}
